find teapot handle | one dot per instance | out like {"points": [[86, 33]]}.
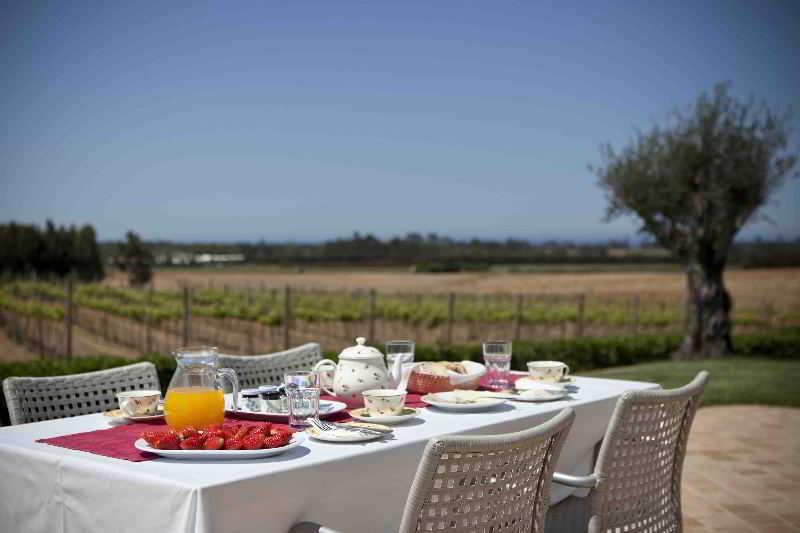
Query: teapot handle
{"points": [[324, 369], [230, 375]]}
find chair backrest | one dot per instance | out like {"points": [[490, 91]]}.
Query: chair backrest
{"points": [[255, 370], [641, 459], [31, 399], [486, 483]]}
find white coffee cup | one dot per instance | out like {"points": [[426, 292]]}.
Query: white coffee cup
{"points": [[553, 371], [379, 402], [139, 402]]}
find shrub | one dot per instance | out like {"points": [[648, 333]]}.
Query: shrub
{"points": [[580, 354]]}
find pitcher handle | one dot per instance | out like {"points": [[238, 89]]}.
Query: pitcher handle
{"points": [[230, 375], [325, 372]]}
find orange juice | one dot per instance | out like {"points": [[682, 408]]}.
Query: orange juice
{"points": [[194, 406]]}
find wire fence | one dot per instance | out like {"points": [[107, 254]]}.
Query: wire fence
{"points": [[261, 319]]}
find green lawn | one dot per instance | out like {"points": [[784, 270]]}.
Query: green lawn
{"points": [[733, 381]]}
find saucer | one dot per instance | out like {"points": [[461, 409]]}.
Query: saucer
{"points": [[528, 383], [362, 414], [119, 415]]}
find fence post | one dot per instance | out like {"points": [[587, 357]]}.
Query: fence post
{"points": [[581, 314], [287, 316], [518, 317], [451, 307], [148, 334], [637, 309], [372, 297], [187, 314], [68, 318]]}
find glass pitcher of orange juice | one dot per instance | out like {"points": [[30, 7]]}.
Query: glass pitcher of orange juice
{"points": [[195, 396]]}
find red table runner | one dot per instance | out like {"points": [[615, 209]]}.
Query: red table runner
{"points": [[117, 441]]}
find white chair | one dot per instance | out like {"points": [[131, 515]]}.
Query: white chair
{"points": [[636, 483], [31, 399], [269, 369], [481, 484]]}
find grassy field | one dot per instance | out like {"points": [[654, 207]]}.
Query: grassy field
{"points": [[733, 381], [778, 287]]}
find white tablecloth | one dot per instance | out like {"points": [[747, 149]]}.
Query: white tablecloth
{"points": [[351, 487]]}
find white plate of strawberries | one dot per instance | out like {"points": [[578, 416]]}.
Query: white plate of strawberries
{"points": [[229, 442]]}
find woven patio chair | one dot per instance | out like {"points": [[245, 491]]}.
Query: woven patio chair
{"points": [[636, 483], [31, 399], [482, 484], [255, 370]]}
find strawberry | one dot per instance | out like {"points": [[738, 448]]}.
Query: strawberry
{"points": [[188, 432], [213, 443], [280, 429], [242, 432], [253, 441], [277, 440], [168, 441], [233, 444], [264, 428], [212, 427], [214, 433], [192, 443], [152, 437]]}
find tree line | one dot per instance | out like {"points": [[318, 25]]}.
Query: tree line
{"points": [[50, 252]]}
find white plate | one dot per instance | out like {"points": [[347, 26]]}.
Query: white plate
{"points": [[343, 435], [408, 414], [451, 401], [230, 455], [542, 395], [326, 408]]}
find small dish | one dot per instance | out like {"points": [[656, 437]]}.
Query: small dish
{"points": [[117, 414], [528, 383], [345, 435], [297, 439], [453, 401], [407, 414]]}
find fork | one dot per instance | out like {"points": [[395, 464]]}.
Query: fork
{"points": [[325, 426]]}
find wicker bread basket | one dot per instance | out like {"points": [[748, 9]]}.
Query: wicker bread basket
{"points": [[424, 383]]}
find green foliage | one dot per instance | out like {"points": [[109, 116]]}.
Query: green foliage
{"points": [[697, 181], [430, 310], [135, 259], [581, 355], [26, 250]]}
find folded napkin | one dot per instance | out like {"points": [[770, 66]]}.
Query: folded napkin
{"points": [[117, 441]]}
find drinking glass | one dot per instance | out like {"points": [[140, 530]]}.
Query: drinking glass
{"points": [[303, 404], [302, 393], [497, 356], [402, 349], [302, 378]]}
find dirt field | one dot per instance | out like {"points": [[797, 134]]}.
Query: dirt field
{"points": [[750, 288]]}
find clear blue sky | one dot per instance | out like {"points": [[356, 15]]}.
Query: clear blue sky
{"points": [[310, 120]]}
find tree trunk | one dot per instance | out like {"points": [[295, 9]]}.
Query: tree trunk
{"points": [[709, 305]]}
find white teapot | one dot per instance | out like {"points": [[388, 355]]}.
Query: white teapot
{"points": [[360, 368]]}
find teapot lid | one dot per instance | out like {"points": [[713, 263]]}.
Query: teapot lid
{"points": [[359, 351]]}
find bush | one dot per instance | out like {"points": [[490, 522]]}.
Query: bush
{"points": [[580, 354]]}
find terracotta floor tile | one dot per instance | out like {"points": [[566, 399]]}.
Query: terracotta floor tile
{"points": [[742, 470]]}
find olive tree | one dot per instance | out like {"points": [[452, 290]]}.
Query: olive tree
{"points": [[693, 184]]}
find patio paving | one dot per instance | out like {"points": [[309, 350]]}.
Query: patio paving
{"points": [[742, 471]]}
